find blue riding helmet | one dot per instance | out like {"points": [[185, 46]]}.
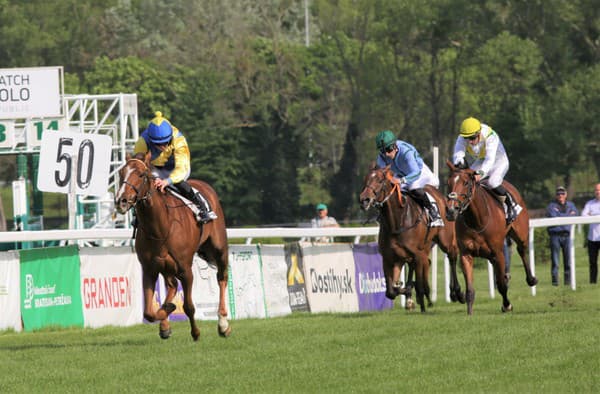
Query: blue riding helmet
{"points": [[160, 130]]}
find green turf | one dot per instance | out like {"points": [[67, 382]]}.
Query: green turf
{"points": [[548, 344]]}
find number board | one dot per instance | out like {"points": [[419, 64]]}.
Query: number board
{"points": [[7, 134], [74, 159]]}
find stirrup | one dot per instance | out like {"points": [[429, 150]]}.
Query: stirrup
{"points": [[206, 216], [435, 221]]}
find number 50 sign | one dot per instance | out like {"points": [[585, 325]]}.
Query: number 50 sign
{"points": [[74, 159]]}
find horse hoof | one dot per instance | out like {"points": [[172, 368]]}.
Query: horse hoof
{"points": [[223, 327], [226, 333], [165, 334], [508, 308], [410, 305], [533, 281]]}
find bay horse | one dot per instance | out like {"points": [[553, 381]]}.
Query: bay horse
{"points": [[405, 237], [166, 239], [481, 229]]}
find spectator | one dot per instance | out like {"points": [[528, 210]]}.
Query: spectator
{"points": [[322, 220], [592, 208], [560, 236]]}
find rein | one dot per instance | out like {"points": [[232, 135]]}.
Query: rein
{"points": [[395, 189], [466, 202]]}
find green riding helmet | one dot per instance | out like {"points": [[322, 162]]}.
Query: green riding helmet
{"points": [[384, 139]]}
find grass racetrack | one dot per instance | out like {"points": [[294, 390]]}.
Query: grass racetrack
{"points": [[550, 343]]}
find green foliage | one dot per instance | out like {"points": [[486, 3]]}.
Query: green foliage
{"points": [[275, 125], [353, 352]]}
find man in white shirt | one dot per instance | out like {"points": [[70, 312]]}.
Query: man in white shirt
{"points": [[322, 220], [592, 208]]}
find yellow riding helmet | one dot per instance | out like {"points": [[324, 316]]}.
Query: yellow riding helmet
{"points": [[470, 127]]}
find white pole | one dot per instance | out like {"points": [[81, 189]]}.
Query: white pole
{"points": [[434, 257], [531, 257], [447, 278], [491, 280], [572, 257]]}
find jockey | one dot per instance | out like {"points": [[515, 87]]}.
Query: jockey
{"points": [[409, 169], [170, 156], [479, 148]]}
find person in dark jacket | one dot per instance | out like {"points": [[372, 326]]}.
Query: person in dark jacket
{"points": [[560, 235]]}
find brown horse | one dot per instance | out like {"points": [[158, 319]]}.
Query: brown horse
{"points": [[405, 237], [481, 229], [166, 240]]}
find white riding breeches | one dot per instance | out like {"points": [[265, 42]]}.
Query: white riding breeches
{"points": [[427, 177], [494, 178]]}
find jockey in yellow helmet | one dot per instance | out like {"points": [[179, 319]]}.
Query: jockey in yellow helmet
{"points": [[479, 147]]}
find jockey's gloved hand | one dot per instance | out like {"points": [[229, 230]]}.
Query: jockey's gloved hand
{"points": [[399, 181], [460, 163]]}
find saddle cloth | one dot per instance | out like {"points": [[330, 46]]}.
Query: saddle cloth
{"points": [[187, 202]]}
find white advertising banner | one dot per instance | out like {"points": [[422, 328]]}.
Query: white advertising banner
{"points": [[111, 287], [274, 270], [330, 277], [205, 291], [245, 287], [30, 92], [10, 291]]}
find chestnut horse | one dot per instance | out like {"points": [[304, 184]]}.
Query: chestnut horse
{"points": [[167, 238], [405, 237], [481, 229]]}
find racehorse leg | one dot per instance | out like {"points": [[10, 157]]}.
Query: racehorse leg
{"points": [[499, 265], [391, 271], [223, 326], [467, 267], [421, 270], [456, 293], [522, 241], [447, 242], [187, 281], [149, 283], [427, 289], [167, 307]]}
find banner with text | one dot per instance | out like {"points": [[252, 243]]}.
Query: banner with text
{"points": [[50, 288], [274, 272], [10, 292], [245, 287], [370, 280], [330, 277], [111, 287], [296, 285]]}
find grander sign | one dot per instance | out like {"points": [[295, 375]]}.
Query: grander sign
{"points": [[30, 92]]}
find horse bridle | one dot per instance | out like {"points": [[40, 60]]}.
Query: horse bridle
{"points": [[466, 198], [145, 178], [377, 203]]}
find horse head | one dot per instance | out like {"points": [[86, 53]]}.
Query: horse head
{"points": [[376, 189], [135, 183], [461, 186]]}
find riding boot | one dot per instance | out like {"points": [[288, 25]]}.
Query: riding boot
{"points": [[421, 197], [205, 214], [512, 209]]}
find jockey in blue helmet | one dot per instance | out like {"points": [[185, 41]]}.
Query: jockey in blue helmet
{"points": [[409, 171], [170, 156]]}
